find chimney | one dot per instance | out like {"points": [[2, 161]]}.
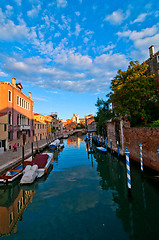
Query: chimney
{"points": [[151, 51], [14, 81], [30, 95]]}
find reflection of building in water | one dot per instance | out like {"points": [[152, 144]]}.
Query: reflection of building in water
{"points": [[12, 205], [73, 140]]}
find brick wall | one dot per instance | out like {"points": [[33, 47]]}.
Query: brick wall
{"points": [[149, 137]]}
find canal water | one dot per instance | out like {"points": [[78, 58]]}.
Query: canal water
{"points": [[82, 197]]}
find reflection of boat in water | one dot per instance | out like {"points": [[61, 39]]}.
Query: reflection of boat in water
{"points": [[13, 202]]}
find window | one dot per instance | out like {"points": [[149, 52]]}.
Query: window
{"points": [[9, 118], [17, 100], [157, 58], [20, 102], [18, 119], [18, 134], [24, 103], [29, 106], [5, 127], [9, 96]]}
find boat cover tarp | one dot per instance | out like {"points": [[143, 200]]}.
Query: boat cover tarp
{"points": [[40, 160]]}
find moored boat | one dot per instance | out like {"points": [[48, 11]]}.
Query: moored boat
{"points": [[102, 149], [54, 144], [11, 174], [36, 168]]}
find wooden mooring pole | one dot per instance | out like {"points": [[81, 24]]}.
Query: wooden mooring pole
{"points": [[23, 156]]}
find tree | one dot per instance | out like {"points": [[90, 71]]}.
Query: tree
{"points": [[104, 113], [134, 94]]}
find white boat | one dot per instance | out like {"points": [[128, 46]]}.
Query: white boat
{"points": [[61, 145], [54, 144], [36, 168]]}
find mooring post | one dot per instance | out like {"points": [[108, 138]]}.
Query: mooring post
{"points": [[101, 141], [111, 145], [117, 147], [23, 155], [91, 141], [32, 149], [106, 142], [37, 144], [141, 160], [128, 171]]}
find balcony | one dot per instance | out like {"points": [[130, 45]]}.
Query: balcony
{"points": [[24, 127]]}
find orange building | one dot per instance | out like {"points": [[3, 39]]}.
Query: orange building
{"points": [[40, 127], [20, 111]]}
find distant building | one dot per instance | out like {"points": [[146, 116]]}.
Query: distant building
{"points": [[3, 131], [20, 111], [153, 62], [40, 127]]}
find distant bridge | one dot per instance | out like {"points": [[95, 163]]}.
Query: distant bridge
{"points": [[84, 131]]}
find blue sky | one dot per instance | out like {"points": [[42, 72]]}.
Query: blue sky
{"points": [[67, 51]]}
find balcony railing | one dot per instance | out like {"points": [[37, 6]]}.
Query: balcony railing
{"points": [[25, 127]]}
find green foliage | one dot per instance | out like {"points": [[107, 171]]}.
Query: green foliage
{"points": [[104, 113], [155, 123], [52, 129], [134, 95]]}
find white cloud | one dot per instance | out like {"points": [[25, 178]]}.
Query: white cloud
{"points": [[34, 11], [133, 35], [117, 17], [19, 2], [69, 71], [114, 60], [140, 18], [58, 34], [2, 74], [40, 99], [9, 11], [77, 14], [61, 3], [78, 29], [142, 40]]}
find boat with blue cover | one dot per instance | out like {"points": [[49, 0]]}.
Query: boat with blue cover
{"points": [[102, 149], [11, 174], [54, 144]]}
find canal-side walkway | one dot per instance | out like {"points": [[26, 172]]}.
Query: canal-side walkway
{"points": [[10, 158]]}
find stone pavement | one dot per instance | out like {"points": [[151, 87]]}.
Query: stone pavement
{"points": [[10, 158]]}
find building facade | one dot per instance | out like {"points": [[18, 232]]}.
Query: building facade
{"points": [[20, 111], [40, 127], [3, 131], [153, 62]]}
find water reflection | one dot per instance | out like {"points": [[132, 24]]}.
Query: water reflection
{"points": [[85, 197], [139, 214], [14, 199], [75, 141], [13, 202]]}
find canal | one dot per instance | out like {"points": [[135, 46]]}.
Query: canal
{"points": [[82, 197]]}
